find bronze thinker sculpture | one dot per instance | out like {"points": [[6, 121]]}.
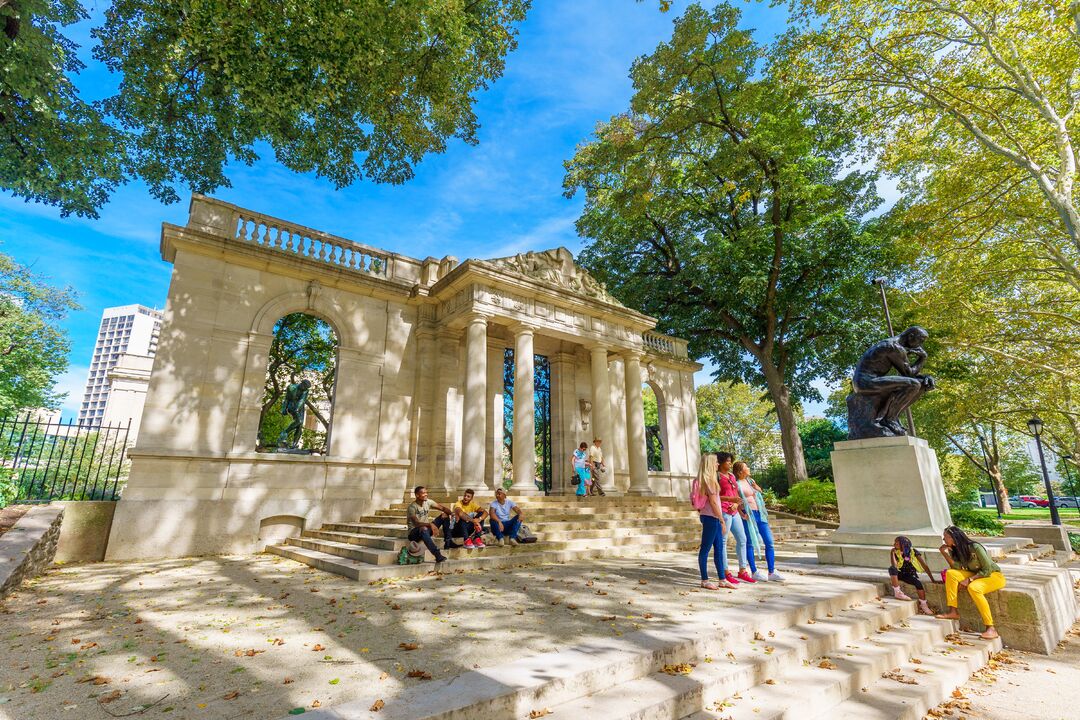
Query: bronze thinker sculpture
{"points": [[293, 405], [880, 397]]}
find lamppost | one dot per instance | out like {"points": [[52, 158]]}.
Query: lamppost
{"points": [[1035, 426], [1065, 460], [880, 282]]}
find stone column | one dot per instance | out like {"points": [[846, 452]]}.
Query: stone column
{"points": [[524, 413], [474, 410], [601, 415], [635, 427]]}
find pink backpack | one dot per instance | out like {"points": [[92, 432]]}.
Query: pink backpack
{"points": [[697, 496]]}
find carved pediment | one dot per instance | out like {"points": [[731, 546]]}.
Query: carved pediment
{"points": [[556, 267]]}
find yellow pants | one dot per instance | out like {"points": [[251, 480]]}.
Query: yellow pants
{"points": [[977, 589]]}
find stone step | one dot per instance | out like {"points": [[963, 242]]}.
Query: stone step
{"points": [[377, 556], [515, 688], [382, 529], [740, 667], [571, 513], [856, 687], [380, 542], [886, 699], [352, 569], [369, 555], [1025, 555]]}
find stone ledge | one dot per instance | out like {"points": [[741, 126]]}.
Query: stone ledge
{"points": [[29, 546], [1033, 612], [1055, 535]]}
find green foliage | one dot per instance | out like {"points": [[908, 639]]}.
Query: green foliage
{"points": [[345, 90], [962, 479], [818, 436], [774, 478], [1020, 474], [85, 466], [1074, 540], [304, 348], [54, 147], [811, 497], [33, 346], [737, 418], [971, 520], [723, 203]]}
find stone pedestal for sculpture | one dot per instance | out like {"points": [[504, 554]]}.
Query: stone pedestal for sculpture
{"points": [[885, 487]]}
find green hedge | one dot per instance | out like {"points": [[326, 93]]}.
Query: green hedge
{"points": [[811, 496]]}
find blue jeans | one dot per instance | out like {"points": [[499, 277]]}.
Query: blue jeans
{"points": [[735, 526], [510, 528], [765, 532], [712, 538]]}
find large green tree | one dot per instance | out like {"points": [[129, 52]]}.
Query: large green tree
{"points": [[723, 204], [33, 346], [342, 89], [980, 95]]}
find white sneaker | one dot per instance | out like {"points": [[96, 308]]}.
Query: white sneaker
{"points": [[776, 577], [513, 541], [760, 576], [502, 541]]}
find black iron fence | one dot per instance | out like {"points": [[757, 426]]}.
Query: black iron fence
{"points": [[42, 460]]}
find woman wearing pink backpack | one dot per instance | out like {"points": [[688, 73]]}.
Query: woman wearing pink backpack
{"points": [[705, 497]]}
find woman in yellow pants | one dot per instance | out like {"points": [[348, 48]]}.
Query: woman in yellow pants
{"points": [[970, 567]]}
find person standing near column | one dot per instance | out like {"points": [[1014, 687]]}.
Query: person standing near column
{"points": [[596, 465]]}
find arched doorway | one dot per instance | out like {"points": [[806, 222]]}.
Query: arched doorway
{"points": [[297, 401], [656, 436]]}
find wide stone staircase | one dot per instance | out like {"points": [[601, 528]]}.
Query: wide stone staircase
{"points": [[829, 649], [566, 528]]}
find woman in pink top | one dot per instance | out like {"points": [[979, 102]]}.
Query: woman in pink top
{"points": [[729, 494], [713, 527]]}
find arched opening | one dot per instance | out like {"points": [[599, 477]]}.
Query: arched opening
{"points": [[652, 400], [298, 397]]}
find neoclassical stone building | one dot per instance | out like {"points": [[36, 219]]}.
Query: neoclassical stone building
{"points": [[419, 389]]}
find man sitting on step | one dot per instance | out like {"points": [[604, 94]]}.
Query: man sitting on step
{"points": [[468, 521], [421, 526], [506, 518]]}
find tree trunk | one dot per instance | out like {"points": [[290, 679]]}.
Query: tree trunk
{"points": [[994, 471], [794, 460]]}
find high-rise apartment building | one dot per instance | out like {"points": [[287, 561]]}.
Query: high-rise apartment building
{"points": [[130, 330]]}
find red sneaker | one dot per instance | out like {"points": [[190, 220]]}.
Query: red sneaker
{"points": [[732, 579], [479, 543], [744, 576], [468, 542]]}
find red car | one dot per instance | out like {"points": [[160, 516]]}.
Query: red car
{"points": [[1038, 501]]}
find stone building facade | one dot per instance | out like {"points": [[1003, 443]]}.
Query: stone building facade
{"points": [[419, 389]]}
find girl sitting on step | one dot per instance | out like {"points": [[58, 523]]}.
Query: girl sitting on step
{"points": [[906, 562], [970, 567], [705, 497]]}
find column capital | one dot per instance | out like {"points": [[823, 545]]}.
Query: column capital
{"points": [[598, 347], [520, 328], [628, 354], [472, 317]]}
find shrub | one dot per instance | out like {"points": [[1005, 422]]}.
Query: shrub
{"points": [[811, 497], [8, 489], [1074, 540], [770, 497], [973, 521], [774, 478]]}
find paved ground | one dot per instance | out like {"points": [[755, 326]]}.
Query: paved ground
{"points": [[1022, 686], [9, 516], [239, 637]]}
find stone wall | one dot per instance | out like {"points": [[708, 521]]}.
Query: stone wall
{"points": [[84, 533], [29, 547]]}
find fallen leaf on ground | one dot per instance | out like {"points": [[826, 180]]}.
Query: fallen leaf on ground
{"points": [[677, 669], [539, 713], [408, 646], [232, 695], [827, 664], [318, 648], [106, 699], [899, 677], [286, 681], [377, 705], [422, 674]]}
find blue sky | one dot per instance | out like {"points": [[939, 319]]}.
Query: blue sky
{"points": [[500, 197]]}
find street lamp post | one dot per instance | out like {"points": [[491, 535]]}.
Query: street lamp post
{"points": [[880, 282], [1065, 459], [1035, 426]]}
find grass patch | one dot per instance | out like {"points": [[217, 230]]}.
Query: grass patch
{"points": [[1068, 515]]}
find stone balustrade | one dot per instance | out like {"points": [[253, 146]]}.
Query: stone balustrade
{"points": [[270, 233], [664, 344]]}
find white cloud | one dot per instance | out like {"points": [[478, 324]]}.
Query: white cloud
{"points": [[73, 382]]}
